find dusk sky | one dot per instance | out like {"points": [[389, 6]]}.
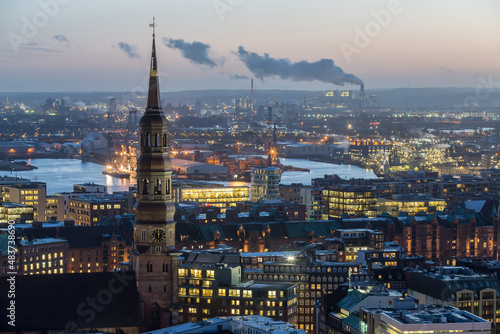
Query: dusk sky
{"points": [[105, 45]]}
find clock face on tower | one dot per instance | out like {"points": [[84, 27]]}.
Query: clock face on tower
{"points": [[158, 235]]}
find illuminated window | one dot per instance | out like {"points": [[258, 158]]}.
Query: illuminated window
{"points": [[271, 294], [222, 292], [234, 293], [196, 273]]}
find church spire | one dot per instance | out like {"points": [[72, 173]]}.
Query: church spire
{"points": [[154, 103]]}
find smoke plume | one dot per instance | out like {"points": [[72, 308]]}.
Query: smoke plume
{"points": [[238, 76], [323, 70], [196, 52]]}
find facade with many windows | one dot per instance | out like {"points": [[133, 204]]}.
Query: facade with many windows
{"points": [[352, 201], [211, 195], [265, 183], [15, 212], [208, 290], [405, 317], [31, 194], [314, 279], [459, 287], [43, 256], [412, 204], [106, 256], [86, 210]]}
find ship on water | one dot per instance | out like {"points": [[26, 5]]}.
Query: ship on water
{"points": [[115, 172]]}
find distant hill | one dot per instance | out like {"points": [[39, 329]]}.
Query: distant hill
{"points": [[397, 98]]}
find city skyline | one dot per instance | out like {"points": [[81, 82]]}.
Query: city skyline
{"points": [[91, 46]]}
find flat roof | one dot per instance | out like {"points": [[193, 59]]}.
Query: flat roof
{"points": [[431, 315], [26, 242]]}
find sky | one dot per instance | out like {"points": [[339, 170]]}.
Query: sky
{"points": [[90, 45]]}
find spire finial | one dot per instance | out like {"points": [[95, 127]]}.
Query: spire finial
{"points": [[154, 87], [153, 25]]}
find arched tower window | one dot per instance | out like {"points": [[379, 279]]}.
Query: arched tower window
{"points": [[148, 139], [145, 186], [164, 140], [157, 139], [165, 267], [158, 187], [167, 184], [149, 267], [143, 234]]}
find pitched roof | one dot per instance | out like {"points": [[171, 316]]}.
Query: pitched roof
{"points": [[56, 302], [352, 299], [320, 228], [77, 236]]}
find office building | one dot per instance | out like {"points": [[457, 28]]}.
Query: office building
{"points": [[459, 287], [216, 289], [314, 278], [406, 317], [349, 201], [86, 210], [10, 211], [265, 183], [216, 195], [411, 204], [31, 194]]}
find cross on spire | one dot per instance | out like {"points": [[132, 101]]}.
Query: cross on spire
{"points": [[153, 25]]}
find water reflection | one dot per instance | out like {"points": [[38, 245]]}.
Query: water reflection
{"points": [[61, 174]]}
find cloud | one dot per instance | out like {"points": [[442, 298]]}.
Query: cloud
{"points": [[237, 77], [196, 52], [61, 38], [323, 70], [129, 49]]}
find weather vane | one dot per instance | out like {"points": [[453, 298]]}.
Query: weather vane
{"points": [[152, 25]]}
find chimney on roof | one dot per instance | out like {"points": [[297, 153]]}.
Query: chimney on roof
{"points": [[37, 224], [69, 223]]}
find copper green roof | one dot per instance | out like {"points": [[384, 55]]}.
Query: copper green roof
{"points": [[320, 228]]}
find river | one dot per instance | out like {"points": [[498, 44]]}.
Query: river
{"points": [[61, 174]]}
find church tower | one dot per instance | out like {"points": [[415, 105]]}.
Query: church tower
{"points": [[153, 257]]}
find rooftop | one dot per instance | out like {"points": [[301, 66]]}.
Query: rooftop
{"points": [[13, 205], [432, 314], [258, 322], [26, 242]]}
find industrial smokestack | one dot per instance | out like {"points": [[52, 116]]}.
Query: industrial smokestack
{"points": [[362, 92]]}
